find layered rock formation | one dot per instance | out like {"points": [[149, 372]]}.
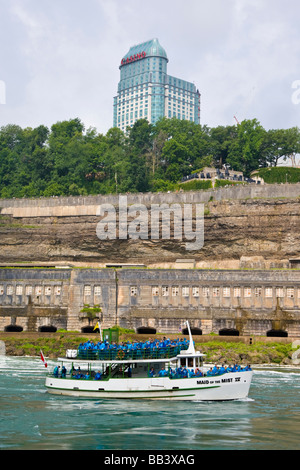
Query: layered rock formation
{"points": [[249, 232]]}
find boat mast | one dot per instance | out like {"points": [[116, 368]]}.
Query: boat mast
{"points": [[191, 348]]}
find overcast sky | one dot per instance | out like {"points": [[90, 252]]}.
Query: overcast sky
{"points": [[59, 59]]}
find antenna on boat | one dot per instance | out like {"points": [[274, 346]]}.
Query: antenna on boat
{"points": [[191, 348]]}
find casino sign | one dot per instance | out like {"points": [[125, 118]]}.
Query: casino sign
{"points": [[133, 58]]}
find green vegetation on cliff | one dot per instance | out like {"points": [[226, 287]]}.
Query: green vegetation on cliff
{"points": [[71, 160], [280, 175], [216, 350]]}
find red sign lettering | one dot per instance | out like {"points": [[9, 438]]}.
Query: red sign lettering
{"points": [[133, 58]]}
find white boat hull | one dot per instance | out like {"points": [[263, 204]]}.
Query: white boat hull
{"points": [[231, 386]]}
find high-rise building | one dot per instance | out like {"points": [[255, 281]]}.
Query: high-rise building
{"points": [[146, 91]]}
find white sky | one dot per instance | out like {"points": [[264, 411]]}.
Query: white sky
{"points": [[59, 59]]}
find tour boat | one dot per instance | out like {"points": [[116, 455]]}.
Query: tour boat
{"points": [[146, 375]]}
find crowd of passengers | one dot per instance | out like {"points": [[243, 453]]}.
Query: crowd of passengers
{"points": [[178, 373], [183, 372], [152, 345]]}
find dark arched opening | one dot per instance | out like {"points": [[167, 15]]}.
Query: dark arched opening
{"points": [[13, 329], [88, 329], [194, 331], [229, 332], [47, 329], [146, 330], [277, 334]]}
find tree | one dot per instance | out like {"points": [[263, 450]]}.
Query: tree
{"points": [[246, 151], [221, 138], [90, 312]]}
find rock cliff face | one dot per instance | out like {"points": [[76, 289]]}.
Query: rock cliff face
{"points": [[258, 233]]}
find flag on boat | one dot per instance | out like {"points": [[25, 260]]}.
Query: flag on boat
{"points": [[43, 359], [97, 326]]}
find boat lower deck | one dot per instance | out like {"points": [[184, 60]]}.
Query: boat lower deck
{"points": [[229, 386]]}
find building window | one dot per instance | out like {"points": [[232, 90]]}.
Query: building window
{"points": [[87, 290], [155, 291], [269, 292], [165, 291], [57, 290], [226, 291], [28, 290], [298, 293], [1, 290], [175, 291], [9, 290], [279, 291], [247, 291], [185, 291], [237, 292], [195, 291], [257, 291], [205, 291], [38, 291], [133, 291], [290, 292], [97, 290], [216, 291], [47, 290], [19, 290]]}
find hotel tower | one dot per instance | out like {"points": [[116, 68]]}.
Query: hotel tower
{"points": [[146, 91]]}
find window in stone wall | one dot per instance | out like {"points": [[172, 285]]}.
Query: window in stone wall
{"points": [[133, 291], [9, 290], [195, 291], [155, 291], [48, 290], [175, 291], [38, 290], [279, 291], [216, 291], [165, 291], [57, 290], [19, 290], [185, 291], [269, 292], [247, 291], [205, 291], [290, 292], [258, 291], [87, 290], [237, 292], [226, 291], [298, 292], [28, 290], [97, 290], [1, 290]]}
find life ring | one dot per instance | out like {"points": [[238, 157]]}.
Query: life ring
{"points": [[120, 354]]}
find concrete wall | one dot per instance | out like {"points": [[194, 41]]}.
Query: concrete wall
{"points": [[252, 302], [88, 205]]}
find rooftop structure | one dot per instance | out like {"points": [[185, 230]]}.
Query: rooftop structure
{"points": [[145, 90]]}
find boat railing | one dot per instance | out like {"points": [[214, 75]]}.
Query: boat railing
{"points": [[130, 354]]}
